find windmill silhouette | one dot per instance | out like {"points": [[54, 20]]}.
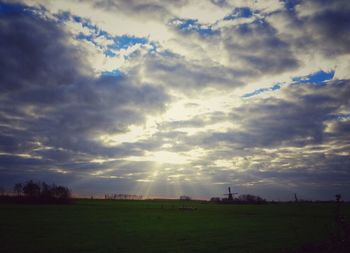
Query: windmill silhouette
{"points": [[230, 195]]}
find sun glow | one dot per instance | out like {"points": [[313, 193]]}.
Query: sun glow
{"points": [[134, 134], [161, 157], [168, 157]]}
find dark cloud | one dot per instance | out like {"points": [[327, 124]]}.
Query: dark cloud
{"points": [[54, 110], [142, 9], [315, 26], [12, 161], [52, 107], [258, 46], [295, 120], [29, 58], [220, 3], [176, 72], [329, 26]]}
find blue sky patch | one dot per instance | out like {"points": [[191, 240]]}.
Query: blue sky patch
{"points": [[11, 8], [82, 36], [109, 53], [116, 42], [256, 92], [63, 16], [154, 46], [125, 41], [86, 23], [192, 25], [243, 12], [6, 8], [290, 4], [113, 73], [317, 78], [338, 117], [274, 87]]}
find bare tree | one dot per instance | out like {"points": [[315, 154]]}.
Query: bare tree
{"points": [[18, 189], [62, 192], [31, 189]]}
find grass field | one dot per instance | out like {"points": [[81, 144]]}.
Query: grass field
{"points": [[159, 226]]}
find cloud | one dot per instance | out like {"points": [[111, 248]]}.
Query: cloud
{"points": [[159, 95], [290, 140], [23, 61], [326, 25], [257, 45], [174, 71], [61, 108], [296, 119]]}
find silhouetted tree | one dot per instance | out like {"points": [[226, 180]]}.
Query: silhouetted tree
{"points": [[248, 198], [61, 192], [31, 189], [36, 192], [18, 189], [46, 191]]}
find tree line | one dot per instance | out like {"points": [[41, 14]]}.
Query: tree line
{"points": [[241, 199], [38, 192], [123, 197]]}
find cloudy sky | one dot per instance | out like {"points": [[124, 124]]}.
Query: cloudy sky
{"points": [[171, 97]]}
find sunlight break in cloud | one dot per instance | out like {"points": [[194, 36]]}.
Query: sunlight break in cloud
{"points": [[163, 98]]}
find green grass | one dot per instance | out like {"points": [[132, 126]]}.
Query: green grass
{"points": [[159, 226]]}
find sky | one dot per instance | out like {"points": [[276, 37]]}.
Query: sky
{"points": [[177, 97]]}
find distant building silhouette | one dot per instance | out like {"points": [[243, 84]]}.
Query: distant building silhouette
{"points": [[230, 194]]}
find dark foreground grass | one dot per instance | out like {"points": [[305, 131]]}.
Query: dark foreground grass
{"points": [[159, 226]]}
